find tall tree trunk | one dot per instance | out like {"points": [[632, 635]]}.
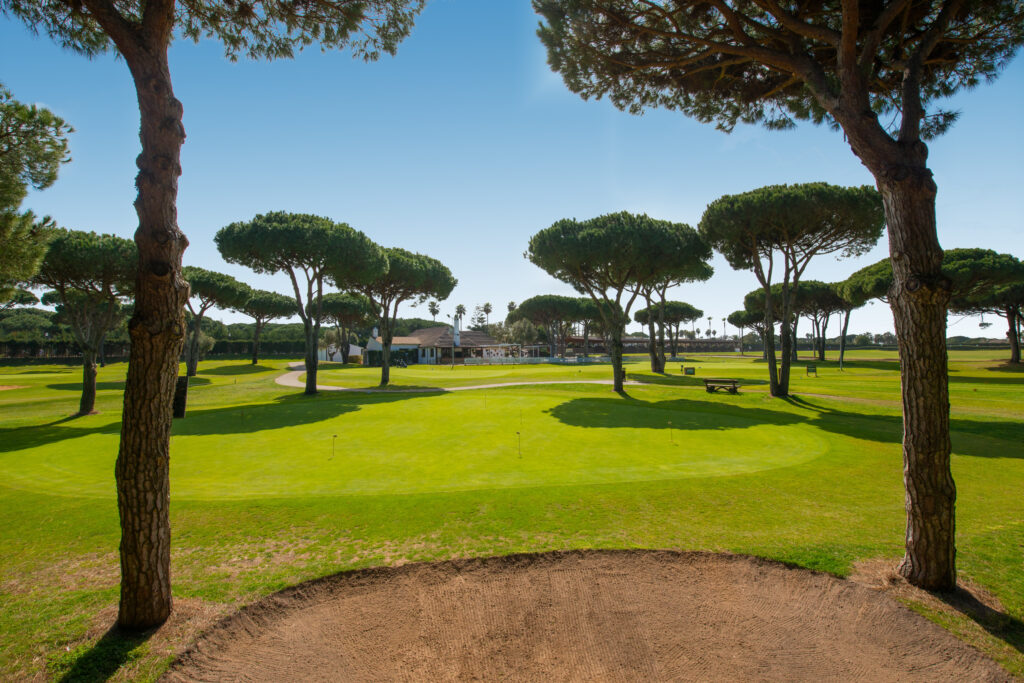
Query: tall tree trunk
{"points": [[256, 342], [586, 339], [616, 353], [343, 344], [1011, 334], [652, 344], [157, 331], [385, 345], [675, 341], [312, 331], [919, 297], [103, 351], [822, 332], [88, 401], [842, 339], [192, 355], [769, 342]]}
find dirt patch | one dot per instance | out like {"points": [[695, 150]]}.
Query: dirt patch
{"points": [[8, 387], [581, 616]]}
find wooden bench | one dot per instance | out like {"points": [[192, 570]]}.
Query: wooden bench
{"points": [[730, 385]]}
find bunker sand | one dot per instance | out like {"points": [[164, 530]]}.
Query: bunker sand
{"points": [[582, 616]]}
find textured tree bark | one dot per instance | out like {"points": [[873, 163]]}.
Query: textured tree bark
{"points": [[157, 330], [1011, 318], [87, 404], [919, 298]]}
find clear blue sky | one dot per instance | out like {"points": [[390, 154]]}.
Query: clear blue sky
{"points": [[464, 145]]}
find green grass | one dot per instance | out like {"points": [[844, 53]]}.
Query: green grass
{"points": [[264, 495]]}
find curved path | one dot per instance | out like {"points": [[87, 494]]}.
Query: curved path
{"points": [[582, 616], [291, 379]]}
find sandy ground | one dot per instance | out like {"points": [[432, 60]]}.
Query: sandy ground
{"points": [[582, 616], [8, 387]]}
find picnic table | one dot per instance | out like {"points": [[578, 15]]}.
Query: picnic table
{"points": [[713, 385]]}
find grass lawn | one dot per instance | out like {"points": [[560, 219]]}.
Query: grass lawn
{"points": [[270, 488]]}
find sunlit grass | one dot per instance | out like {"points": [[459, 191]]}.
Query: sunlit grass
{"points": [[270, 487]]}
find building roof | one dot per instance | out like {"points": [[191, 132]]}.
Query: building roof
{"points": [[401, 341], [442, 336]]}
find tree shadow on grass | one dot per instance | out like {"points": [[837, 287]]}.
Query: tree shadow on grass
{"points": [[286, 411], [1005, 627], [240, 369], [101, 661], [682, 414], [115, 385], [20, 438], [975, 379], [889, 429], [289, 410], [1007, 366]]}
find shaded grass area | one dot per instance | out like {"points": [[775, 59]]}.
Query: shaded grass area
{"points": [[260, 501]]}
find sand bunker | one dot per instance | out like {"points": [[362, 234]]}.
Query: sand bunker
{"points": [[582, 616]]}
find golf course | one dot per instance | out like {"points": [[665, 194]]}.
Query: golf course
{"points": [[271, 488]]}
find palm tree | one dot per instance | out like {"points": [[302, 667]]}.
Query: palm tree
{"points": [[434, 309], [487, 312], [460, 310]]}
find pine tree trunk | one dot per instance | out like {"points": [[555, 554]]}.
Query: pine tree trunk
{"points": [[616, 353], [769, 344], [88, 402], [842, 339], [343, 345], [157, 330], [312, 361], [256, 343], [919, 298], [192, 355], [1011, 317], [385, 362], [586, 339], [652, 344]]}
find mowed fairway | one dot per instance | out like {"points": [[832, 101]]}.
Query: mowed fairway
{"points": [[270, 488]]}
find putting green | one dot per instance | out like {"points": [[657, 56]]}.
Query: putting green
{"points": [[429, 443]]}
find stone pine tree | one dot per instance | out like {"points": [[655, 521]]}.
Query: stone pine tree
{"points": [[850, 300], [874, 70], [207, 289], [263, 306], [305, 247], [347, 312], [819, 301], [553, 313], [668, 315], [775, 231], [683, 260], [141, 33], [88, 275], [611, 258], [978, 280], [409, 276], [1005, 300], [33, 145]]}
